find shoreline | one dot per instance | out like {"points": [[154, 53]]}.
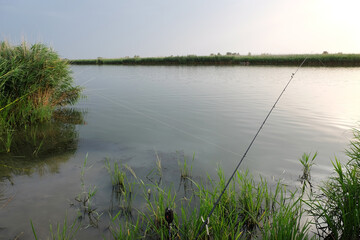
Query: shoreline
{"points": [[312, 60]]}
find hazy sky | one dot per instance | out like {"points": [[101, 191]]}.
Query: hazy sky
{"points": [[117, 28]]}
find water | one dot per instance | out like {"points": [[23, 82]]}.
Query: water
{"points": [[133, 113]]}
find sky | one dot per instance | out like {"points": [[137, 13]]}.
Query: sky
{"points": [[153, 28]]}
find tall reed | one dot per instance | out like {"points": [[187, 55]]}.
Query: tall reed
{"points": [[34, 81], [336, 208]]}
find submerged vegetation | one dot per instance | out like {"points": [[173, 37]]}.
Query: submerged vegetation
{"points": [[250, 208], [34, 82], [327, 60]]}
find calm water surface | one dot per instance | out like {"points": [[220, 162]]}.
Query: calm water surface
{"points": [[133, 113]]}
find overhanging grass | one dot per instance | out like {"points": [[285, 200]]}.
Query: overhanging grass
{"points": [[34, 81]]}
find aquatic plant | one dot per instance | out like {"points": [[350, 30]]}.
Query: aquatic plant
{"points": [[34, 81], [307, 163], [64, 232], [85, 199], [117, 176], [336, 209], [354, 150], [185, 169], [249, 208], [126, 230]]}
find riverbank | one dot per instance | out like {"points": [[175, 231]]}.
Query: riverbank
{"points": [[316, 60]]}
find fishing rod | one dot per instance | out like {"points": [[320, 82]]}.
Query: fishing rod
{"points": [[205, 223]]}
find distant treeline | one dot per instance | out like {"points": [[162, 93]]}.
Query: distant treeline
{"points": [[326, 60]]}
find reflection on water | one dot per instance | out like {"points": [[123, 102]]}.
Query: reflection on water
{"points": [[137, 115], [41, 148]]}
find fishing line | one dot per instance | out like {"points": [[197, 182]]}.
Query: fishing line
{"points": [[248, 148], [168, 125], [94, 89], [173, 119]]}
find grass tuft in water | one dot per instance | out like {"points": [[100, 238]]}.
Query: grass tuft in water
{"points": [[64, 232], [117, 176], [85, 199], [307, 162], [185, 169]]}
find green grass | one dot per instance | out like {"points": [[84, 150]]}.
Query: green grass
{"points": [[117, 176], [61, 232], [34, 82], [354, 150], [307, 162], [185, 169], [336, 207], [249, 208], [86, 207], [328, 60]]}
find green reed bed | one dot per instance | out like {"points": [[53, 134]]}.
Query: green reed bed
{"points": [[34, 82], [62, 231], [250, 208], [328, 60]]}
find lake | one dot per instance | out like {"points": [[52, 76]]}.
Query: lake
{"points": [[206, 114]]}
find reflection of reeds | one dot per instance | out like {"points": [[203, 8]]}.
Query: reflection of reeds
{"points": [[40, 143]]}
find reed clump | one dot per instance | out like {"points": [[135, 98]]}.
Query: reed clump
{"points": [[336, 208], [249, 209], [34, 81]]}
